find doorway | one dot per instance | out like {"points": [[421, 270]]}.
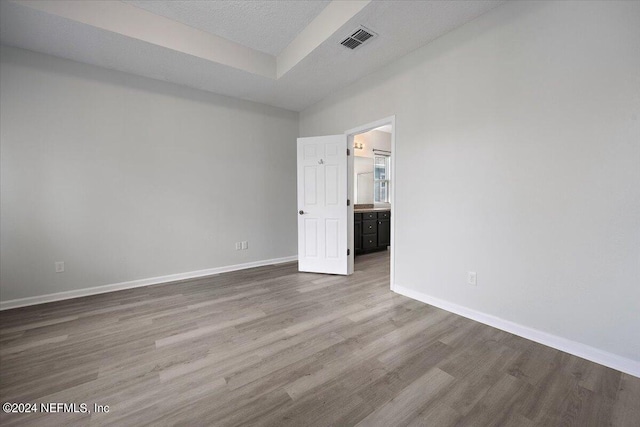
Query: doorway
{"points": [[326, 183], [371, 181]]}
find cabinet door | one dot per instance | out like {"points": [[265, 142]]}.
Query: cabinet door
{"points": [[384, 232], [357, 235]]}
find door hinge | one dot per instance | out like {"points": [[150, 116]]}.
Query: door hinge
{"points": [[348, 152], [348, 202], [348, 252]]}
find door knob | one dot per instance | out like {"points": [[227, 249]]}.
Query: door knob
{"points": [[301, 212]]}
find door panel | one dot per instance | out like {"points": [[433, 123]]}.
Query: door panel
{"points": [[331, 175], [331, 238], [311, 234], [310, 185], [322, 204]]}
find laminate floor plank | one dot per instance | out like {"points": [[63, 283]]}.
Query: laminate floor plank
{"points": [[626, 409], [400, 410], [271, 346]]}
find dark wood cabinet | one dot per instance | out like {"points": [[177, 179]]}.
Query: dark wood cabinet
{"points": [[384, 232], [357, 232], [372, 231]]}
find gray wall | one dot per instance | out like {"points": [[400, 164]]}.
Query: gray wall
{"points": [[125, 178], [518, 157]]}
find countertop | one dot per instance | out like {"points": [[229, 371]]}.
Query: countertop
{"points": [[360, 210]]}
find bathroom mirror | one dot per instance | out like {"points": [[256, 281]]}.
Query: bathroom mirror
{"points": [[363, 180], [371, 180]]}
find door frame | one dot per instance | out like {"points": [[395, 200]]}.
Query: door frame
{"points": [[390, 120]]}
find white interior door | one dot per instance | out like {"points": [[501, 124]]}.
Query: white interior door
{"points": [[323, 226]]}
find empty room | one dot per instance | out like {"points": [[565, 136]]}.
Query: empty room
{"points": [[319, 213]]}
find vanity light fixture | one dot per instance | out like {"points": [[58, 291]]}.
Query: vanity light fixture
{"points": [[358, 145]]}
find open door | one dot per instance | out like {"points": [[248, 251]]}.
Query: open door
{"points": [[324, 235]]}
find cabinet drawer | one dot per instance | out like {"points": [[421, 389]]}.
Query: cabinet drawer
{"points": [[369, 226], [357, 217], [369, 241], [369, 215], [384, 215]]}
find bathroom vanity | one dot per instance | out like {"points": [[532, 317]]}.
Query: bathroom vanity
{"points": [[372, 229]]}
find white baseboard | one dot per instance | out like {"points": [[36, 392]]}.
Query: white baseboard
{"points": [[23, 302], [628, 366]]}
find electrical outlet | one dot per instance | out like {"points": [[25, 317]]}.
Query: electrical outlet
{"points": [[59, 266], [472, 278], [245, 245], [238, 246]]}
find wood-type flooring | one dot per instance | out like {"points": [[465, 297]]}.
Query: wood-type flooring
{"points": [[271, 346]]}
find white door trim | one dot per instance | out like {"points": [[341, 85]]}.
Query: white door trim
{"points": [[391, 120]]}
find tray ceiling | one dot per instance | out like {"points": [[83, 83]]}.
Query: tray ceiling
{"points": [[278, 53]]}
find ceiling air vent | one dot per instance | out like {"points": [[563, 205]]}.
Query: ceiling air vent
{"points": [[358, 37]]}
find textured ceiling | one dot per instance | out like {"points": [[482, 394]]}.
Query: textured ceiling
{"points": [[267, 26], [402, 26]]}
